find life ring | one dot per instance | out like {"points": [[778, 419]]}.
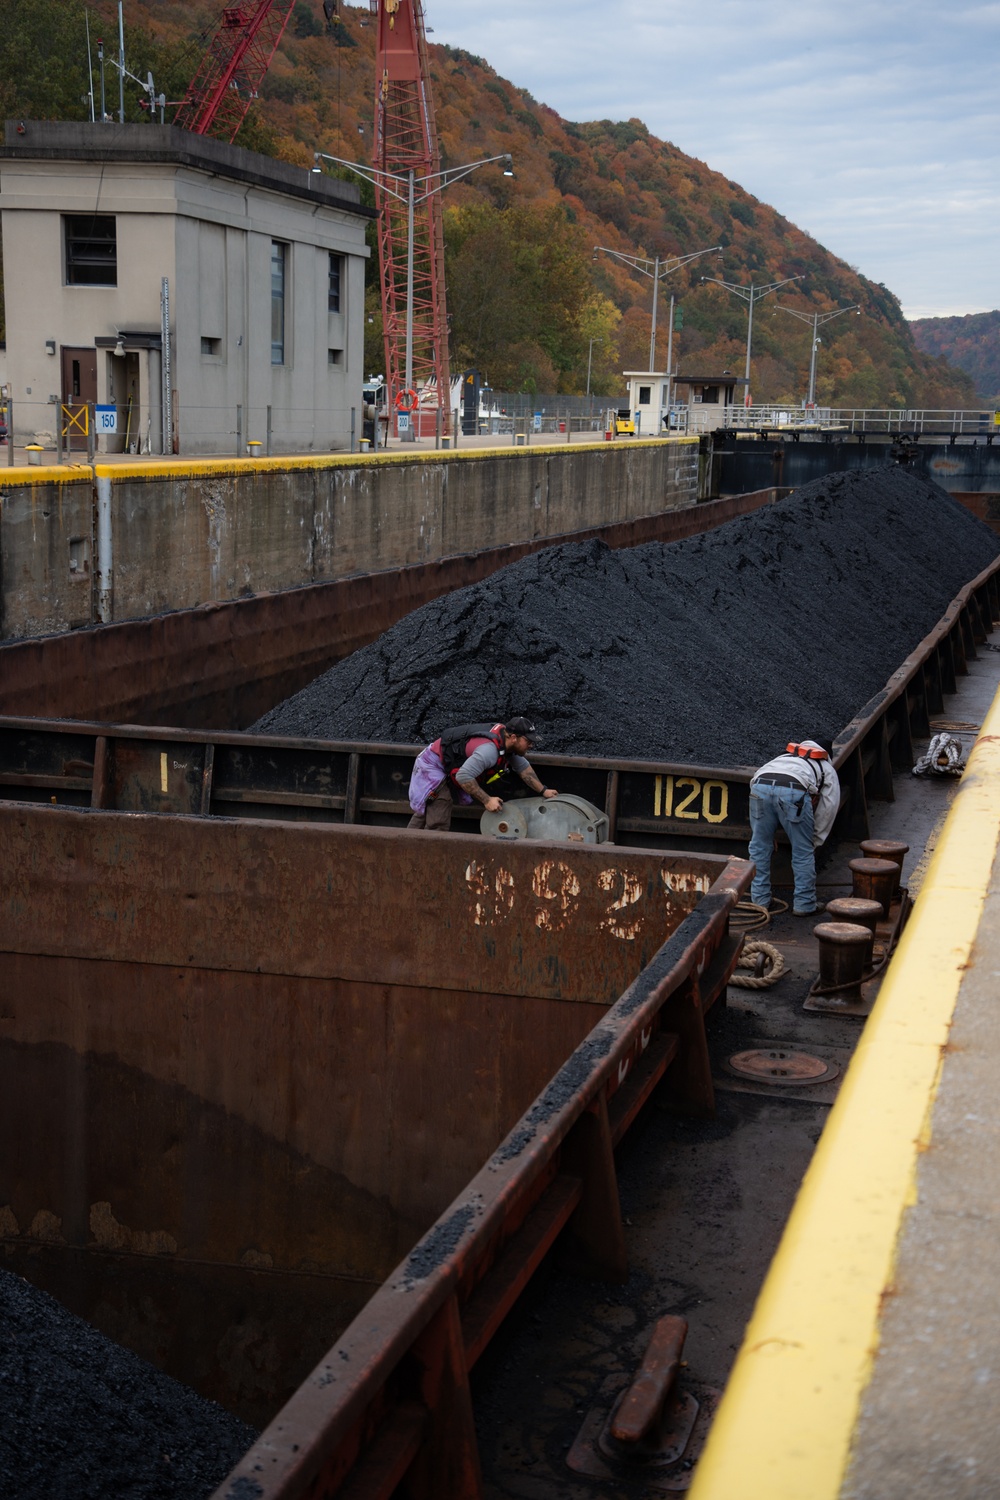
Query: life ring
{"points": [[406, 399]]}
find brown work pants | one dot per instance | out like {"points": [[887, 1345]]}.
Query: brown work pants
{"points": [[436, 813]]}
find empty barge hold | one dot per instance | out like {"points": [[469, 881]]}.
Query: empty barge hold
{"points": [[246, 1065]]}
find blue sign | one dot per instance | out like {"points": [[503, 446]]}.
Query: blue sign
{"points": [[106, 418]]}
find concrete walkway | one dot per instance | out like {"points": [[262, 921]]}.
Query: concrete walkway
{"points": [[930, 1419], [871, 1365]]}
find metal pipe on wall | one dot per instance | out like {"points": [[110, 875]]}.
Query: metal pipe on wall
{"points": [[104, 567]]}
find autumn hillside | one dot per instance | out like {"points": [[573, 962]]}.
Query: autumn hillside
{"points": [[971, 344], [526, 296]]}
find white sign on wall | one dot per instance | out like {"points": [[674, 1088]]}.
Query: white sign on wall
{"points": [[106, 418]]}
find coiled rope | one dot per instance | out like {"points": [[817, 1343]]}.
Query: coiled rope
{"points": [[763, 956], [943, 757], [766, 961]]}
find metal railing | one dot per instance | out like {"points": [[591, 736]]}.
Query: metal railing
{"points": [[850, 419]]}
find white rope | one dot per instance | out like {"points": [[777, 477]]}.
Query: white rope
{"points": [[943, 758]]}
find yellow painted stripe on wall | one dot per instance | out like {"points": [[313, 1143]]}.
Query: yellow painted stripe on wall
{"points": [[784, 1429], [19, 475], [194, 468], [191, 468]]}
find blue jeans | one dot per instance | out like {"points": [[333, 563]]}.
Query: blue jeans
{"points": [[787, 807]]}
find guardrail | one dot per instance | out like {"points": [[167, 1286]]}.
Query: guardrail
{"points": [[874, 420], [391, 1398]]}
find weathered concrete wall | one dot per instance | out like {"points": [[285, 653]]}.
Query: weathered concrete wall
{"points": [[46, 553], [187, 534]]}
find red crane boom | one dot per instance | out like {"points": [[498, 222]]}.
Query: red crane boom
{"points": [[225, 85], [405, 142]]}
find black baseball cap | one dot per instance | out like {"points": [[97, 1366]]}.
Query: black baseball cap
{"points": [[520, 725]]}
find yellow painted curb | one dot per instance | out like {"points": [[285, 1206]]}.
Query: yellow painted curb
{"points": [[784, 1429], [192, 468], [195, 468], [22, 474]]}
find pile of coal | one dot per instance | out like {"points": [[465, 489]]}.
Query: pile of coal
{"points": [[81, 1417], [714, 650]]}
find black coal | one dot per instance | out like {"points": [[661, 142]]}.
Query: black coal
{"points": [[81, 1417], [714, 650]]}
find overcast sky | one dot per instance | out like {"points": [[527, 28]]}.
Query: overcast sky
{"points": [[871, 124]]}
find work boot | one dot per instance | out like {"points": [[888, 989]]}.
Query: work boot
{"points": [[814, 911]]}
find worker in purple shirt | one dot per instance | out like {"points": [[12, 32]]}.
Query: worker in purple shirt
{"points": [[799, 792], [467, 763]]}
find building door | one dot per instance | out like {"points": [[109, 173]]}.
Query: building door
{"points": [[79, 385]]}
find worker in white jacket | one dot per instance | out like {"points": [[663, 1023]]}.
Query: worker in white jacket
{"points": [[799, 792]]}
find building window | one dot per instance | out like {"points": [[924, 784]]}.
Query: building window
{"points": [[91, 250], [210, 346], [279, 255], [334, 356], [644, 394], [333, 291]]}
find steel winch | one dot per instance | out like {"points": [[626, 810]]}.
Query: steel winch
{"points": [[565, 818]]}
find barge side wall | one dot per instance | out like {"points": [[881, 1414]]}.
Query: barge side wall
{"points": [[244, 1066]]}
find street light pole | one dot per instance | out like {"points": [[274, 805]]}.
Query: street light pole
{"points": [[670, 354], [404, 188], [750, 295], [590, 355], [817, 320], [657, 269]]}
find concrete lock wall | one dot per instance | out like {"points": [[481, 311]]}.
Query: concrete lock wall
{"points": [[124, 541]]}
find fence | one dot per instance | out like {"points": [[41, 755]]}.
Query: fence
{"points": [[204, 430], [880, 420]]}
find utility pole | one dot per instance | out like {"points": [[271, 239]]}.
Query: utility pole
{"points": [[121, 66], [413, 191], [90, 68], [817, 320], [657, 269], [670, 355], [100, 61], [751, 295], [590, 356]]}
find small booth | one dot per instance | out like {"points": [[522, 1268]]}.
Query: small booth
{"points": [[709, 399], [648, 400]]}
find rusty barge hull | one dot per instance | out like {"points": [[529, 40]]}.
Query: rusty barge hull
{"points": [[247, 1064], [648, 804]]}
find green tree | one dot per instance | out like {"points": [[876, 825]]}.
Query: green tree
{"points": [[521, 295]]}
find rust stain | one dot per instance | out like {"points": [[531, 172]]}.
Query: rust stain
{"points": [[111, 1235], [46, 1226]]}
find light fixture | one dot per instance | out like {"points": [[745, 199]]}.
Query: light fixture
{"points": [[508, 170], [50, 346], [119, 349], [316, 166]]}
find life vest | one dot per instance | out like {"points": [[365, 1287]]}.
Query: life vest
{"points": [[807, 752], [457, 744], [812, 754]]}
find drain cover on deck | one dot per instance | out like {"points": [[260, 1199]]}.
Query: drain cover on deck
{"points": [[781, 1067]]}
